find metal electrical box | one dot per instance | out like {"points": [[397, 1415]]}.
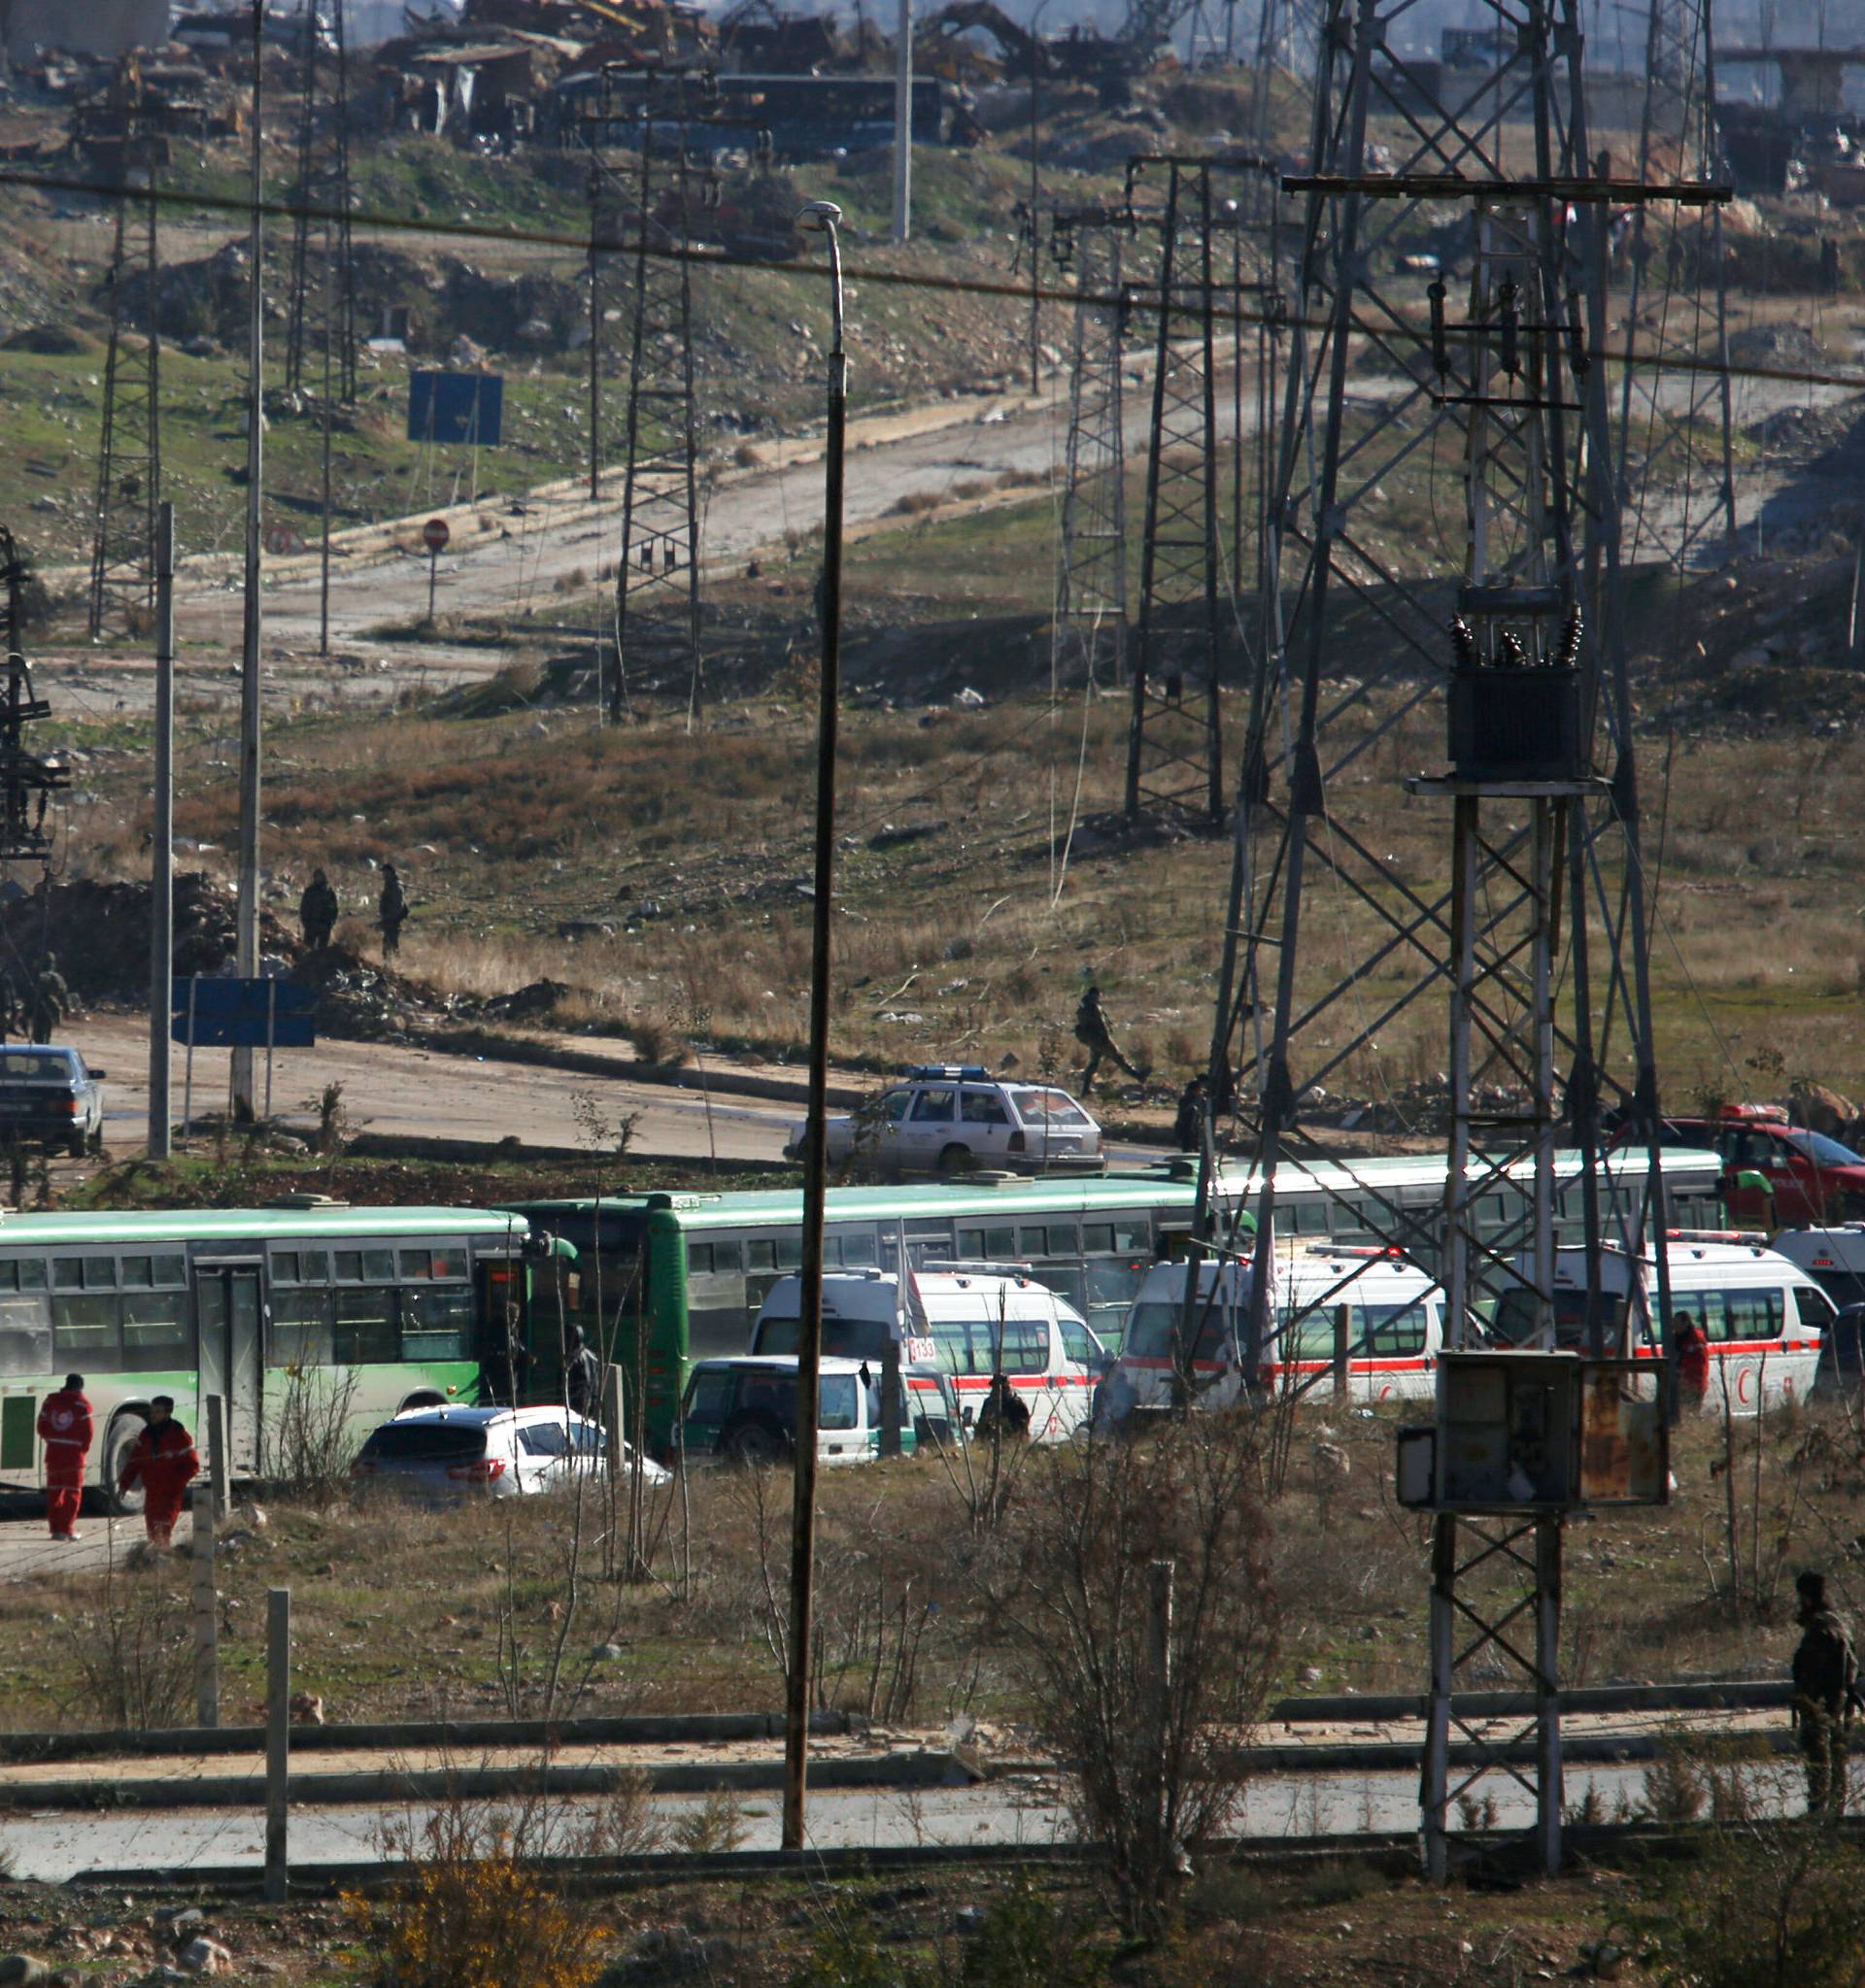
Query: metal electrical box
{"points": [[1509, 724], [1539, 1432]]}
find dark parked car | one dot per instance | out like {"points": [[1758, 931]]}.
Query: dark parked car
{"points": [[47, 1098]]}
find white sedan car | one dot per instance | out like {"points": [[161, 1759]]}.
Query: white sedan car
{"points": [[493, 1452], [950, 1118]]}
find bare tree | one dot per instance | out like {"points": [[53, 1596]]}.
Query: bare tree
{"points": [[1134, 1595]]}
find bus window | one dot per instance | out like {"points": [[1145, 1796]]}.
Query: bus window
{"points": [[67, 1273], [367, 1329], [300, 1334], [83, 1331], [348, 1266], [156, 1331], [1311, 1218], [859, 1252], [284, 1266], [100, 1273], [379, 1265], [436, 1324], [450, 1264], [699, 1260], [139, 1273], [789, 1251], [1097, 1238], [416, 1266], [1033, 1242], [32, 1273], [314, 1268], [760, 1253]]}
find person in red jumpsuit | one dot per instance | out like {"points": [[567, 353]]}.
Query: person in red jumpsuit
{"points": [[64, 1428], [163, 1462], [1693, 1360]]}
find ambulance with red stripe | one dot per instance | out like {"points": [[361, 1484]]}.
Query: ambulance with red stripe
{"points": [[1763, 1315], [1386, 1311], [970, 1321]]}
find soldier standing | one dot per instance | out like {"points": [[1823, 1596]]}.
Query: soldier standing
{"points": [[392, 911], [49, 1001], [11, 1020], [1825, 1691], [318, 912]]}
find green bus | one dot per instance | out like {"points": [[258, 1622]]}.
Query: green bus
{"points": [[415, 1303], [684, 1275]]}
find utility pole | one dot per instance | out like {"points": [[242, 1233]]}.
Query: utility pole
{"points": [[904, 125], [323, 186], [1036, 202], [823, 215], [129, 457], [245, 929], [161, 842]]}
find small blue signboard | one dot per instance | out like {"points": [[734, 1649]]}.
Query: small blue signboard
{"points": [[242, 1014], [455, 408]]}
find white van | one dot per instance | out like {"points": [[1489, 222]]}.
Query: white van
{"points": [[970, 1321], [1834, 1257], [1394, 1327], [1762, 1314]]}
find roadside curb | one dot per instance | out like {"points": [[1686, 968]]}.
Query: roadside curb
{"points": [[480, 1783]]}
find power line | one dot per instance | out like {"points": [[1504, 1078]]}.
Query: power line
{"points": [[1223, 311]]}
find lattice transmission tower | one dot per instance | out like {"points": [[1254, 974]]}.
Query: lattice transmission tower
{"points": [[321, 304], [1493, 410], [129, 454], [1677, 472], [1214, 264], [27, 779], [1090, 581], [660, 498]]}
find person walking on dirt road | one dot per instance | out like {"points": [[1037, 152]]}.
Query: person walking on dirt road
{"points": [[1825, 1693], [392, 911], [49, 1001], [317, 911], [582, 1377], [1095, 1036], [64, 1428], [164, 1460]]}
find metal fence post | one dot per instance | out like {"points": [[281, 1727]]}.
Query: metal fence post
{"points": [[216, 1451], [278, 1742], [1341, 1377], [207, 1611]]}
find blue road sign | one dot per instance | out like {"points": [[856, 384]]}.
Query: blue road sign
{"points": [[455, 408], [242, 1014]]}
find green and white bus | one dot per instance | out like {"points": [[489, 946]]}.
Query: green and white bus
{"points": [[687, 1272], [415, 1303]]}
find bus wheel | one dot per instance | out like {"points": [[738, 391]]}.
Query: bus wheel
{"points": [[105, 1498]]}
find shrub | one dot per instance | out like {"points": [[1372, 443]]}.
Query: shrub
{"points": [[131, 1659], [310, 1442], [480, 1907]]}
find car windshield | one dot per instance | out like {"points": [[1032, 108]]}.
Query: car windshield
{"points": [[34, 1066], [1822, 1150], [1048, 1107], [842, 1338], [1151, 1329]]}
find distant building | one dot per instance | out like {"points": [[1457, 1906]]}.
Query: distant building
{"points": [[98, 27]]}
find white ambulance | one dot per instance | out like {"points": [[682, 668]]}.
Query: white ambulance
{"points": [[1393, 1317], [969, 1320], [1761, 1313]]}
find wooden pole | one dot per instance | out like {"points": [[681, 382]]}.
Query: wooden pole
{"points": [[1341, 1378], [278, 1742], [207, 1612], [161, 841]]}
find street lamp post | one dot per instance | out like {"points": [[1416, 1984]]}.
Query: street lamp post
{"points": [[820, 215]]}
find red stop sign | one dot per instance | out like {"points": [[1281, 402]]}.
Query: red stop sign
{"points": [[434, 534]]}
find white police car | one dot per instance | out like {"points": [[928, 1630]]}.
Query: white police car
{"points": [[949, 1118]]}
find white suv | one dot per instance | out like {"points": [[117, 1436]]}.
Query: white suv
{"points": [[948, 1118]]}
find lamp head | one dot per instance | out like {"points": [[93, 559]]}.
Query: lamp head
{"points": [[819, 216]]}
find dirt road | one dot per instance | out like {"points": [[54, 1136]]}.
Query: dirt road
{"points": [[391, 1089]]}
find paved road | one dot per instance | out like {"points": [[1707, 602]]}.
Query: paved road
{"points": [[62, 1844], [391, 1089]]}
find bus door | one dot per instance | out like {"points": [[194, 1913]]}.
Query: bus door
{"points": [[502, 1339], [229, 1302]]}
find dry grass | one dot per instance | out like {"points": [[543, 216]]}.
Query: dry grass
{"points": [[400, 1613]]}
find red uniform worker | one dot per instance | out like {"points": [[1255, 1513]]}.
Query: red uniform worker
{"points": [[64, 1428], [163, 1460], [1693, 1360]]}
